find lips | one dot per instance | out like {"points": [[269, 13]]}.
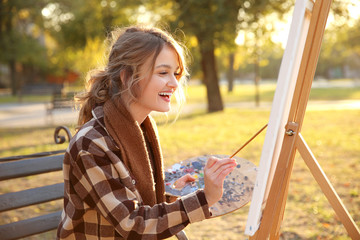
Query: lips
{"points": [[165, 95]]}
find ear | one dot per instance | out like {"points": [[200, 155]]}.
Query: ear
{"points": [[123, 76]]}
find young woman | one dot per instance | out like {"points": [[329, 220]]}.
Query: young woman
{"points": [[113, 167]]}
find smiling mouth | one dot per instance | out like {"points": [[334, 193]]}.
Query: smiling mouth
{"points": [[165, 94]]}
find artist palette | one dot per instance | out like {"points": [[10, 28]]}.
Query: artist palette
{"points": [[238, 185]]}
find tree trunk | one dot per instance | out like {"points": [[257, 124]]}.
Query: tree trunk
{"points": [[230, 72], [2, 10], [8, 27], [211, 81], [13, 78]]}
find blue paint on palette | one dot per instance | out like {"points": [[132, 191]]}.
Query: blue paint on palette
{"points": [[197, 165]]}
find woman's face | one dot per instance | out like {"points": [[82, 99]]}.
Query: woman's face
{"points": [[156, 90]]}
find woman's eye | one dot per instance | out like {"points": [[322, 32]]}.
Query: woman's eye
{"points": [[176, 74]]}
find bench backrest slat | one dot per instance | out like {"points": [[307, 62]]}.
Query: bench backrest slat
{"points": [[31, 165], [30, 197], [27, 167], [30, 226]]}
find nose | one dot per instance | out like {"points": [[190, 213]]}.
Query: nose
{"points": [[173, 82]]}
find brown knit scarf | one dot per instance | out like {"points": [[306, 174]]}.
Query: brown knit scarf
{"points": [[131, 141]]}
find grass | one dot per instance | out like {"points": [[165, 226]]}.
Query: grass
{"points": [[333, 137], [19, 141], [25, 99], [245, 93]]}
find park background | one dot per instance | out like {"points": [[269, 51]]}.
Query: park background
{"points": [[236, 49]]}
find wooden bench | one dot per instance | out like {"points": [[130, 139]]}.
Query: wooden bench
{"points": [[29, 165]]}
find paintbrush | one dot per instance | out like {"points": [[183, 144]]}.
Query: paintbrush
{"points": [[249, 140]]}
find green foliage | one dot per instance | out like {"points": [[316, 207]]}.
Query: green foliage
{"points": [[20, 33], [80, 28], [80, 60], [72, 23], [21, 41], [51, 37], [340, 45]]}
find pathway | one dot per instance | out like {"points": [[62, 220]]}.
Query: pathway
{"points": [[34, 114]]}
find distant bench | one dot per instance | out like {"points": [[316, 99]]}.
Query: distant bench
{"points": [[41, 88], [60, 101], [29, 165]]}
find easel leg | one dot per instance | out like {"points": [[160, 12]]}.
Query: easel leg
{"points": [[275, 204], [279, 211], [327, 188]]}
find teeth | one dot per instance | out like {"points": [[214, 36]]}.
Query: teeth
{"points": [[165, 94]]}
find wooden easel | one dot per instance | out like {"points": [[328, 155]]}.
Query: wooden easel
{"points": [[293, 141]]}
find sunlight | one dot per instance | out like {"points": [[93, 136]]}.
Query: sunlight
{"points": [[53, 16], [354, 9], [282, 27], [282, 32], [49, 10]]}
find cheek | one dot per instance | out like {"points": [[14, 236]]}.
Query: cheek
{"points": [[157, 83], [143, 87], [150, 90]]}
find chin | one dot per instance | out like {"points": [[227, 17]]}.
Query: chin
{"points": [[164, 109]]}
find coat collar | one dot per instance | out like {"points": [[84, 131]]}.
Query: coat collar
{"points": [[131, 139]]}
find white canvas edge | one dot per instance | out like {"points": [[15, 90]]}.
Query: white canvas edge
{"points": [[279, 112]]}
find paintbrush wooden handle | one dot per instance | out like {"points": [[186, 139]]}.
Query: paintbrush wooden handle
{"points": [[249, 140]]}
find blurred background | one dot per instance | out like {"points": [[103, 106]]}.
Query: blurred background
{"points": [[48, 46]]}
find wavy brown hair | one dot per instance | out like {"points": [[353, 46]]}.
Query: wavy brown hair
{"points": [[130, 48]]}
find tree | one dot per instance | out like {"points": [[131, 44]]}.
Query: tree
{"points": [[340, 47], [258, 25], [22, 49], [215, 24], [79, 28], [212, 23]]}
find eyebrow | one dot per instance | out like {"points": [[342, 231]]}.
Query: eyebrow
{"points": [[166, 66]]}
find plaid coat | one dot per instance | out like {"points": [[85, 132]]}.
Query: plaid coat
{"points": [[101, 200]]}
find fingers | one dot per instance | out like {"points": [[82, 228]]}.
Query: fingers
{"points": [[215, 172], [220, 173], [181, 182], [211, 161], [224, 171], [188, 178], [219, 169], [217, 165]]}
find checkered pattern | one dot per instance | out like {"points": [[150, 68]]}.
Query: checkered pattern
{"points": [[101, 200]]}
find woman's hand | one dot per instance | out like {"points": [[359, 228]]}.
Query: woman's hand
{"points": [[215, 172], [181, 182]]}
